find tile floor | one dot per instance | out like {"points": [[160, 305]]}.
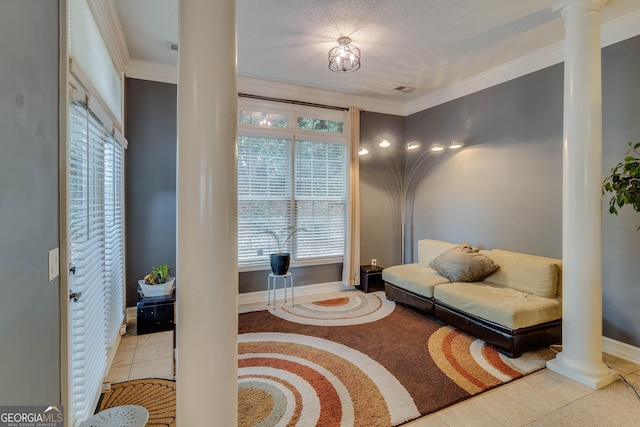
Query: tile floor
{"points": [[143, 356], [544, 398]]}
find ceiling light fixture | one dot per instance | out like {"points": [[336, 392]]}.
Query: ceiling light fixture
{"points": [[437, 147], [385, 143], [412, 146], [454, 145], [344, 58], [363, 151]]}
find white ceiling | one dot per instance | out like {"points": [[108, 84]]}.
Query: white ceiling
{"points": [[426, 44]]}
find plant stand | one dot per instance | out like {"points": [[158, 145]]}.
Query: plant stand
{"points": [[272, 285]]}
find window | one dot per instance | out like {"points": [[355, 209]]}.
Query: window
{"points": [[290, 178]]}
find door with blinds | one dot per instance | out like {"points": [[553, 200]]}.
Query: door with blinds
{"points": [[95, 224]]}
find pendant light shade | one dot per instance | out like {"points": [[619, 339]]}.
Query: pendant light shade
{"points": [[344, 58]]}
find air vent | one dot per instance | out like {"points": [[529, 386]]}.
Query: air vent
{"points": [[404, 89], [173, 46]]}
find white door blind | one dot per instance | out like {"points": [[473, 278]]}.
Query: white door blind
{"points": [[264, 194], [320, 195], [114, 232], [95, 237]]}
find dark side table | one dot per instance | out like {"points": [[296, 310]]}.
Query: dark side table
{"points": [[370, 278], [155, 314]]}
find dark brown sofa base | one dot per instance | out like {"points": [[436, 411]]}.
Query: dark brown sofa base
{"points": [[422, 303], [511, 342]]}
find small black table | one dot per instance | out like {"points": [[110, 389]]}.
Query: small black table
{"points": [[155, 314], [370, 278]]}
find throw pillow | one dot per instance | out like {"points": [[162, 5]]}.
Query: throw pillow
{"points": [[463, 264]]}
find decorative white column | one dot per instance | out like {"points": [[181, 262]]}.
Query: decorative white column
{"points": [[581, 356], [207, 288]]}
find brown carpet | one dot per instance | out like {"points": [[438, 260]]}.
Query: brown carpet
{"points": [[157, 395], [324, 364]]}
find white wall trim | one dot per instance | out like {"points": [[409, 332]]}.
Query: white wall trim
{"points": [[151, 71], [108, 22], [612, 32], [621, 350], [320, 288], [319, 96], [132, 313], [261, 296]]}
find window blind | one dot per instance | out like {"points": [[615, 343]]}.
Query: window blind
{"points": [[264, 195], [96, 251], [292, 173], [320, 196]]}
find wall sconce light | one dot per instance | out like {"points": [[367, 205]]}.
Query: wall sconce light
{"points": [[413, 146], [385, 143], [363, 151], [454, 145], [437, 147]]}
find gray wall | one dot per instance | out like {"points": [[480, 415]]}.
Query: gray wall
{"points": [[150, 179], [380, 221], [253, 281], [504, 190], [29, 303], [621, 241]]}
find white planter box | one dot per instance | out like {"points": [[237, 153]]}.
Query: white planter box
{"points": [[157, 290]]}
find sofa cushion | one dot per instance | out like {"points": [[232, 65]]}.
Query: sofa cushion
{"points": [[463, 264], [499, 304], [428, 249], [556, 261], [414, 277], [523, 272]]}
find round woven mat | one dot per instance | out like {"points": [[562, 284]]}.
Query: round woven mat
{"points": [[158, 396]]}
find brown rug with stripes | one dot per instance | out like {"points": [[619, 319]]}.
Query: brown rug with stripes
{"points": [[157, 395], [360, 360]]}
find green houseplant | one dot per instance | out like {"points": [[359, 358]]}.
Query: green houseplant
{"points": [[158, 282], [280, 259], [624, 182]]}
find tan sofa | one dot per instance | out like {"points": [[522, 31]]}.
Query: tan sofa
{"points": [[516, 308]]}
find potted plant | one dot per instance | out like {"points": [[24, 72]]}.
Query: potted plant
{"points": [[624, 182], [280, 260], [158, 282]]}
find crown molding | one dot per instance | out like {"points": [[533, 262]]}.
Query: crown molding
{"points": [[319, 96], [621, 29], [108, 22], [151, 71], [612, 32]]}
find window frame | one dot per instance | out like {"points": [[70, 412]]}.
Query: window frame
{"points": [[292, 133]]}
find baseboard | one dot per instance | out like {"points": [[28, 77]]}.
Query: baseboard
{"points": [[621, 350], [132, 313], [261, 296]]}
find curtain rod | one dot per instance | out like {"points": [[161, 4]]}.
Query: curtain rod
{"points": [[291, 101]]}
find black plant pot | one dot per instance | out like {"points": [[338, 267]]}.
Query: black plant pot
{"points": [[280, 263]]}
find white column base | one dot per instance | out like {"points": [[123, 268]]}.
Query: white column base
{"points": [[595, 382]]}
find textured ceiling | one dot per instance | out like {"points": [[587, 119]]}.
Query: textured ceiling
{"points": [[426, 44]]}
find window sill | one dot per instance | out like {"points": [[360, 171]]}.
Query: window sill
{"points": [[306, 263]]}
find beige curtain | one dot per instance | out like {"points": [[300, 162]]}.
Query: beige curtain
{"points": [[351, 265]]}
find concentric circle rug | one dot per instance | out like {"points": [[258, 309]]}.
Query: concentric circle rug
{"points": [[158, 396], [360, 360]]}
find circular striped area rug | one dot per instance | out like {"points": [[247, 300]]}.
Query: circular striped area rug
{"points": [[358, 360], [158, 396], [354, 308]]}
